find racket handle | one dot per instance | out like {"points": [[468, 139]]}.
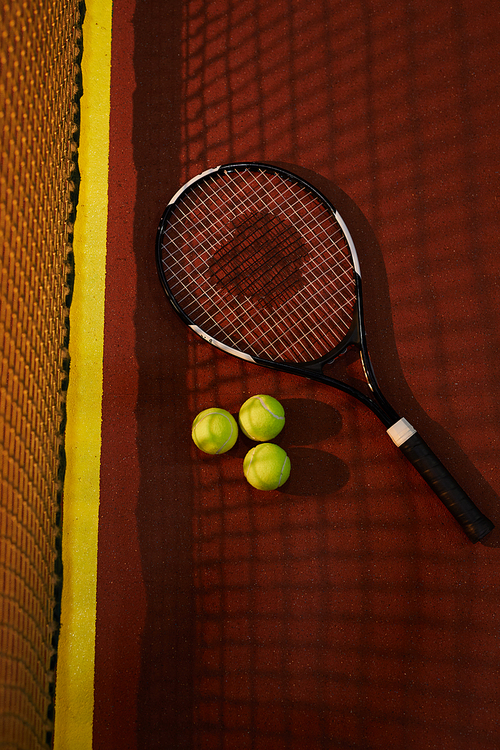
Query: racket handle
{"points": [[416, 450]]}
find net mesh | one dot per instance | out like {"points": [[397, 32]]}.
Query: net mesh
{"points": [[39, 90]]}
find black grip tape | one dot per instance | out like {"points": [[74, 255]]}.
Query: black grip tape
{"points": [[473, 522]]}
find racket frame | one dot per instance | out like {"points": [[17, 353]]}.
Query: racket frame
{"points": [[356, 336]]}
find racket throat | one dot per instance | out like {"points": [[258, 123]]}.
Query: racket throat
{"points": [[374, 386]]}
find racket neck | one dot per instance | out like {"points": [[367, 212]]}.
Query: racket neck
{"points": [[390, 415], [315, 373]]}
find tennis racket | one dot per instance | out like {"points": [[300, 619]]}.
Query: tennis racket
{"points": [[258, 263]]}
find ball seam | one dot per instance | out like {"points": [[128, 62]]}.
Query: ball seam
{"points": [[205, 416], [269, 411], [230, 436], [282, 470]]}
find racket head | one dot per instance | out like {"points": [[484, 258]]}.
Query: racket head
{"points": [[260, 264]]}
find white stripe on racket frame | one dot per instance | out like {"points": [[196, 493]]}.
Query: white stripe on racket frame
{"points": [[350, 242], [190, 182], [218, 344]]}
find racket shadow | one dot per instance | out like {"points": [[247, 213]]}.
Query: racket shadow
{"points": [[384, 353]]}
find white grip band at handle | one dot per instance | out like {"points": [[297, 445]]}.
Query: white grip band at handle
{"points": [[400, 432]]}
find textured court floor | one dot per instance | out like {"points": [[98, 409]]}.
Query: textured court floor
{"points": [[347, 610]]}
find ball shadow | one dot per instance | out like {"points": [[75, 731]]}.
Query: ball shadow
{"points": [[307, 422], [315, 472]]}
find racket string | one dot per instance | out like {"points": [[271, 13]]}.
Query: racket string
{"points": [[307, 309], [247, 293], [242, 199], [237, 324], [261, 253], [237, 329], [278, 341], [275, 331]]}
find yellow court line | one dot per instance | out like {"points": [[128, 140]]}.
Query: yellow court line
{"points": [[74, 703]]}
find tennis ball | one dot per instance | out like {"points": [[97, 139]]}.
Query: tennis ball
{"points": [[214, 431], [266, 466], [261, 418]]}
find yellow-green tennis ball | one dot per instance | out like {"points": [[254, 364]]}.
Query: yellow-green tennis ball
{"points": [[261, 418], [266, 466], [214, 431]]}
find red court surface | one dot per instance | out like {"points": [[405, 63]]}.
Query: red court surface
{"points": [[348, 609]]}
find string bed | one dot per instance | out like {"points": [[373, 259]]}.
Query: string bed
{"points": [[260, 263]]}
